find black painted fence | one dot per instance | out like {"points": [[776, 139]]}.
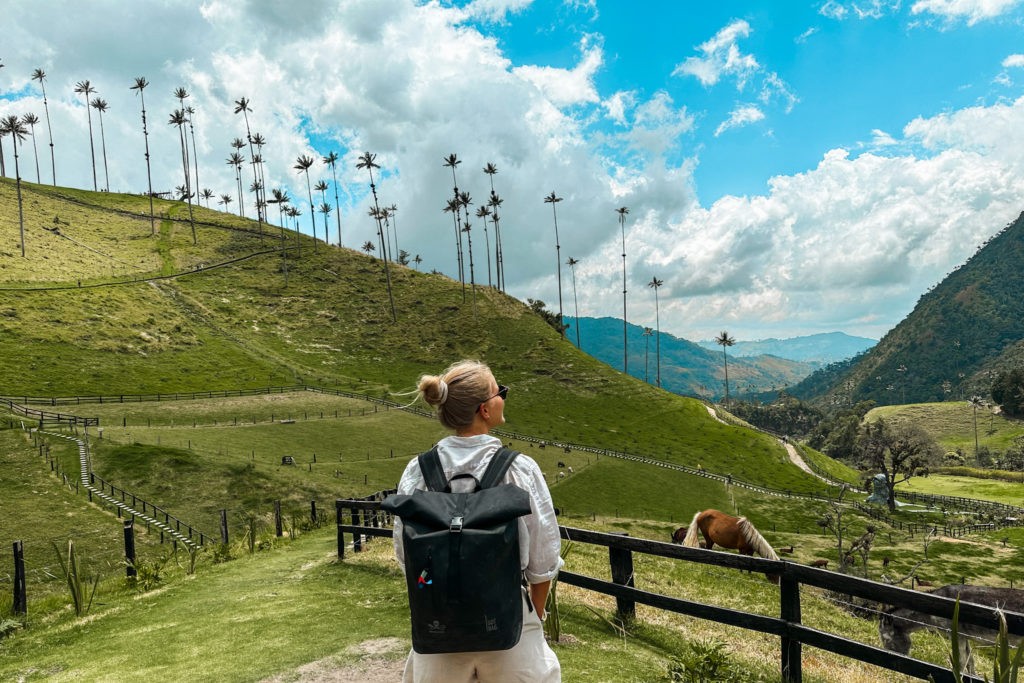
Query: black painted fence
{"points": [[366, 520]]}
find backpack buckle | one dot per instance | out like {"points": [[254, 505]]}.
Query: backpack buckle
{"points": [[455, 526]]}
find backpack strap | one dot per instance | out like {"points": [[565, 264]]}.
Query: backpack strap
{"points": [[433, 474], [497, 468]]}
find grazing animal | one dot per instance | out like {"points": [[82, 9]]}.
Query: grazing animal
{"points": [[786, 551], [728, 532], [679, 534], [820, 563], [561, 475], [897, 623], [570, 469], [922, 582], [885, 561], [561, 465]]}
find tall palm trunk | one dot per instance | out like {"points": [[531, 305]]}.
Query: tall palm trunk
{"points": [[40, 75], [366, 161], [12, 126], [100, 107], [140, 85], [86, 89]]}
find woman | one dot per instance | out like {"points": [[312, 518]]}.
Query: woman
{"points": [[470, 402]]}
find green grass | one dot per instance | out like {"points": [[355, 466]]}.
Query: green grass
{"points": [[996, 490], [951, 423], [240, 326]]}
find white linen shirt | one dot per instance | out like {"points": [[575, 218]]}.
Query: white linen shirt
{"points": [[539, 542]]}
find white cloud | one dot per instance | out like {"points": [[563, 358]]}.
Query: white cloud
{"points": [[971, 11], [495, 10], [1014, 61], [721, 56], [567, 87], [743, 115]]}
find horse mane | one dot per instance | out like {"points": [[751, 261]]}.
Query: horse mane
{"points": [[692, 540], [755, 539]]}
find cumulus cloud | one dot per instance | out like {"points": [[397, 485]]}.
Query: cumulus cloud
{"points": [[970, 11], [1014, 61], [413, 82]]}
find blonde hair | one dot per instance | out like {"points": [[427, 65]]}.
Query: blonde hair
{"points": [[457, 392]]}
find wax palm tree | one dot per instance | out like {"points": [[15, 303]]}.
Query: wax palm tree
{"points": [[40, 75], [192, 132], [368, 247], [622, 211], [321, 187], [325, 209], [483, 213], [100, 105], [331, 160], [467, 228], [225, 200], [976, 402], [256, 187], [181, 95], [85, 88], [3, 167], [294, 212], [452, 161], [207, 194], [490, 169], [417, 260], [281, 198], [140, 86], [31, 120], [572, 269], [237, 160], [258, 161], [495, 202], [553, 200], [242, 107], [302, 164], [393, 215], [654, 284], [367, 161], [452, 206], [725, 341], [178, 119], [648, 331], [12, 125]]}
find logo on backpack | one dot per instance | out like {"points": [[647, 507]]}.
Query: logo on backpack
{"points": [[423, 580]]}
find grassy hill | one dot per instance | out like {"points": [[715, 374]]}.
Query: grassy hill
{"points": [[76, 320]]}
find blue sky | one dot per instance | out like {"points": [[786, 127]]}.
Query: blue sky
{"points": [[790, 167]]}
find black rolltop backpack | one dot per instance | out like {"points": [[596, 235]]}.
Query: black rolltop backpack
{"points": [[462, 566]]}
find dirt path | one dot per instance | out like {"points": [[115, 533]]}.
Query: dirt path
{"points": [[381, 660]]}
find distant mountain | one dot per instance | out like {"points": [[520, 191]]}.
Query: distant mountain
{"points": [[824, 348], [969, 325], [686, 368]]}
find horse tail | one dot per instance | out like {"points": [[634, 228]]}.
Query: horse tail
{"points": [[691, 540], [755, 540]]}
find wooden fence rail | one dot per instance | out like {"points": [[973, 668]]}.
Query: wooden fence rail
{"points": [[788, 627]]}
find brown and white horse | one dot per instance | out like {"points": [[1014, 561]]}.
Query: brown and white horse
{"points": [[729, 532]]}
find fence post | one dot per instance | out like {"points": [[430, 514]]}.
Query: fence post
{"points": [[129, 547], [789, 596], [224, 526], [357, 538], [20, 598], [278, 531], [341, 536], [621, 561], [312, 512]]}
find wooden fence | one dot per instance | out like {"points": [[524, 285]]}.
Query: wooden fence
{"points": [[366, 519]]}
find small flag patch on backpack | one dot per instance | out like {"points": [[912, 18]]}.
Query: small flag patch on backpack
{"points": [[423, 580]]}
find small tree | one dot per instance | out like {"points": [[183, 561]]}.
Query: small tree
{"points": [[896, 450]]}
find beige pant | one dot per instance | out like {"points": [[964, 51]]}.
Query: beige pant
{"points": [[530, 661]]}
